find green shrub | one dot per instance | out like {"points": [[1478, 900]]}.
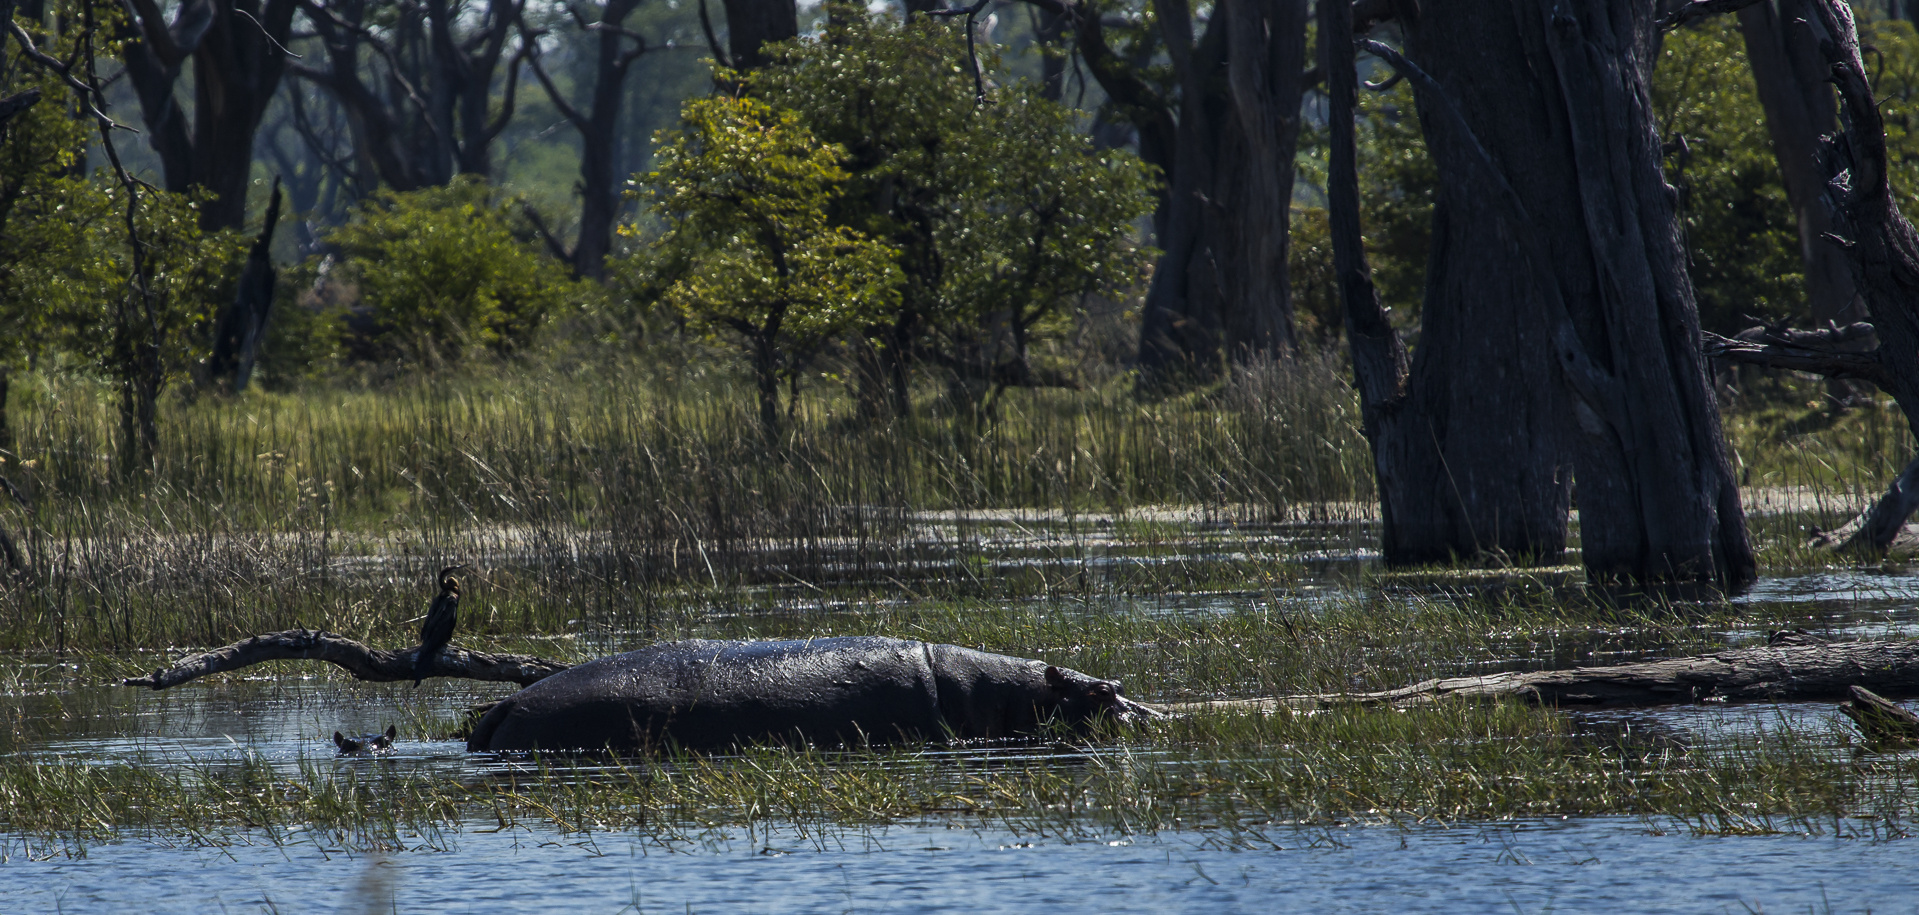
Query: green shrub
{"points": [[442, 273]]}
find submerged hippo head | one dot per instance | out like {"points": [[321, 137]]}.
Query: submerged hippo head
{"points": [[1082, 699], [366, 744]]}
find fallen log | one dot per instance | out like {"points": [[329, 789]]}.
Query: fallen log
{"points": [[370, 664], [1884, 724], [1795, 669]]}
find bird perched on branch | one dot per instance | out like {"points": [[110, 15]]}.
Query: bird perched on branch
{"points": [[437, 630]]}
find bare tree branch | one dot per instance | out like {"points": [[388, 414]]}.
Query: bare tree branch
{"points": [[370, 664], [1816, 351], [1700, 9]]}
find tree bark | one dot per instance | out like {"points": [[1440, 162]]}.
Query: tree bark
{"points": [[1798, 671], [1220, 289], [243, 325], [1883, 250], [750, 24], [599, 131], [6, 419], [1795, 88], [1885, 725], [433, 64], [1381, 367], [236, 47], [371, 664], [1558, 267]]}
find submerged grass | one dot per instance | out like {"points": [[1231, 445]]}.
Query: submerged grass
{"points": [[1239, 773]]}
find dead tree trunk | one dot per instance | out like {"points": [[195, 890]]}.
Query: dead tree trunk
{"points": [[1882, 248], [1558, 307], [1795, 89], [618, 47], [1220, 289], [243, 326], [1884, 724], [371, 664]]}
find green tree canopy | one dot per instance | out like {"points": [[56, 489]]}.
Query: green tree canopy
{"points": [[745, 191], [444, 274]]}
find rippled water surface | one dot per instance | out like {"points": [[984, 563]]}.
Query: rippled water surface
{"points": [[1607, 865]]}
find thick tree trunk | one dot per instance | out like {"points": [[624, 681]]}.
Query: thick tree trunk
{"points": [[1795, 88], [1883, 250], [243, 326], [236, 50], [753, 23], [1470, 459], [1558, 289], [1381, 368], [6, 420], [1220, 289], [370, 664]]}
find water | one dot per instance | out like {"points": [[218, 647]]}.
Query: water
{"points": [[1593, 865], [286, 715]]}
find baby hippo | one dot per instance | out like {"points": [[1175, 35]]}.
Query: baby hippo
{"points": [[365, 744]]}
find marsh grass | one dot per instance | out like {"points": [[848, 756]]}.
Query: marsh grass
{"points": [[1195, 548], [1241, 774], [608, 498]]}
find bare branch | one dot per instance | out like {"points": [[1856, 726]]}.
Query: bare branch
{"points": [[712, 41], [1815, 351], [553, 93], [370, 664], [1700, 9]]}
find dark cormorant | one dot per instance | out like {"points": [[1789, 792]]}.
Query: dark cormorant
{"points": [[437, 630]]}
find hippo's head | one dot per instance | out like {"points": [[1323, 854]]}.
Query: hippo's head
{"points": [[1081, 699], [368, 745]]}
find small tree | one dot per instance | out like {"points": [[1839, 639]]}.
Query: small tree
{"points": [[1044, 219], [443, 273], [745, 191]]}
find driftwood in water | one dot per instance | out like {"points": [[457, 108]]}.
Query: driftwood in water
{"points": [[1883, 723], [1796, 670], [373, 664]]}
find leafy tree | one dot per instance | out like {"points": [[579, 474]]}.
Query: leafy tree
{"points": [[892, 94], [68, 281], [1042, 219], [745, 191], [441, 273], [1002, 215], [1740, 230], [39, 149]]}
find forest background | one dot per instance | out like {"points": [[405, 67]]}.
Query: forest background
{"points": [[515, 279]]}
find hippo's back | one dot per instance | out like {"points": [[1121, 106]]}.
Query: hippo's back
{"points": [[702, 694]]}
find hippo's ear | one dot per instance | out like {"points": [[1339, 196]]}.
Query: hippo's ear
{"points": [[391, 733], [1054, 678]]}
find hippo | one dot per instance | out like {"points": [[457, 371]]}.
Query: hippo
{"points": [[710, 695], [367, 744]]}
